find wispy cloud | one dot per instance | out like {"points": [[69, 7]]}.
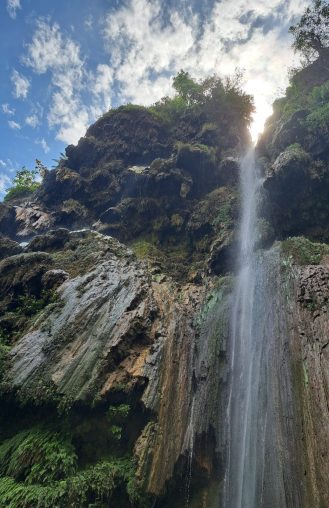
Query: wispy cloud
{"points": [[147, 43], [21, 85], [145, 52], [12, 7], [7, 110], [43, 144], [2, 164], [32, 120], [14, 125], [4, 182], [52, 51], [89, 22]]}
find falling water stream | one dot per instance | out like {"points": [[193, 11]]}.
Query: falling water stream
{"points": [[241, 469], [254, 476]]}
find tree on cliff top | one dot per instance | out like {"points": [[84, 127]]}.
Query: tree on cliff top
{"points": [[311, 34], [25, 181]]}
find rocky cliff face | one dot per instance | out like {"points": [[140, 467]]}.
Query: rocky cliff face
{"points": [[110, 345], [294, 154], [116, 292]]}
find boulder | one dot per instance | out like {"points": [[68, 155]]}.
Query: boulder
{"points": [[9, 247], [53, 278], [8, 225], [54, 239]]}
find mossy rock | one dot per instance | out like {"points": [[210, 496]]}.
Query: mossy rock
{"points": [[303, 251]]}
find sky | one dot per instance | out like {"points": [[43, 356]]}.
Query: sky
{"points": [[64, 63]]}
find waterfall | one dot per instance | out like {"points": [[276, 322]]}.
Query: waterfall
{"points": [[254, 476]]}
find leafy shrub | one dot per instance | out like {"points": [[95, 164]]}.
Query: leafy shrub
{"points": [[318, 120], [38, 468], [222, 101], [23, 183], [30, 304], [37, 456]]}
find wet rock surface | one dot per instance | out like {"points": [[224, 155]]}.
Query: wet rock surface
{"points": [[310, 327], [110, 328]]}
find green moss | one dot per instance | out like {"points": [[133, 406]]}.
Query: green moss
{"points": [[223, 289], [4, 350], [208, 127], [197, 148], [225, 214], [144, 249], [318, 120], [303, 251]]}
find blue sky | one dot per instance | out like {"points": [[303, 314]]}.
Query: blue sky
{"points": [[65, 62]]}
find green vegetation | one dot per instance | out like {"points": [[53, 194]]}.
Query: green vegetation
{"points": [[108, 483], [222, 101], [117, 416], [303, 251], [311, 33], [144, 248], [184, 150], [29, 305], [23, 183], [37, 456], [41, 467]]}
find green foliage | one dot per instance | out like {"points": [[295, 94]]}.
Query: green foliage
{"points": [[117, 416], [23, 183], [170, 109], [30, 304], [120, 412], [38, 468], [311, 33], [303, 251], [208, 153], [4, 350], [225, 215], [144, 248], [187, 88], [318, 120], [222, 101], [37, 456], [97, 484], [62, 159]]}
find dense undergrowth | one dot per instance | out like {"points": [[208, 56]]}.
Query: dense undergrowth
{"points": [[61, 463]]}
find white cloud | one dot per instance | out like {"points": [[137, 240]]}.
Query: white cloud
{"points": [[89, 22], [145, 53], [7, 110], [4, 182], [145, 50], [2, 164], [14, 125], [43, 144], [21, 85], [32, 120], [12, 7], [50, 51], [102, 83]]}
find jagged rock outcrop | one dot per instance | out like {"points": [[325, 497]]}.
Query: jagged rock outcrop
{"points": [[294, 153], [112, 351], [106, 327]]}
